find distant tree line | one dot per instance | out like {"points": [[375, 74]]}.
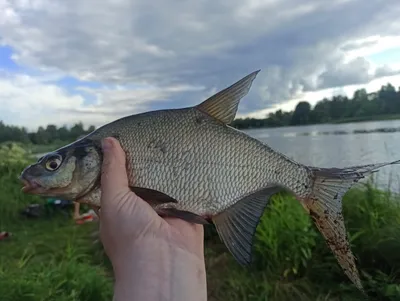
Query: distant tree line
{"points": [[362, 106], [48, 135]]}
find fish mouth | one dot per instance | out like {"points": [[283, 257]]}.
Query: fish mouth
{"points": [[31, 186]]}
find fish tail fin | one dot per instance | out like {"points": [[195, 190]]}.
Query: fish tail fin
{"points": [[324, 204]]}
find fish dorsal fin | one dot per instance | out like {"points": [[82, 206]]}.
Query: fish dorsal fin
{"points": [[223, 105], [237, 225]]}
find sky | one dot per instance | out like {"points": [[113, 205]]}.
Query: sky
{"points": [[93, 61]]}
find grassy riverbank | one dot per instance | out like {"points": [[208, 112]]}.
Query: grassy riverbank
{"points": [[51, 258]]}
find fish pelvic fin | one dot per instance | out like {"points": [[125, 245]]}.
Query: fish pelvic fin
{"points": [[224, 104], [237, 225], [324, 204]]}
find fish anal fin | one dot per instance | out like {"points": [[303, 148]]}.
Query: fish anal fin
{"points": [[237, 225], [153, 197], [185, 215], [224, 104]]}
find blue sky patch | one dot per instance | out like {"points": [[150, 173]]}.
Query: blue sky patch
{"points": [[6, 61], [386, 57], [69, 81], [72, 85]]}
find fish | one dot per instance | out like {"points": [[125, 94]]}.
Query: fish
{"points": [[190, 163]]}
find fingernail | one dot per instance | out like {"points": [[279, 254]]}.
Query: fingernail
{"points": [[106, 144]]}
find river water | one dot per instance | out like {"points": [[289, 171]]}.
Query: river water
{"points": [[340, 145]]}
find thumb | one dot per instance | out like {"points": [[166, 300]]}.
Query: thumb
{"points": [[114, 180]]}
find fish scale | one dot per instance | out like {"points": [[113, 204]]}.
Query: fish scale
{"points": [[156, 160], [189, 163]]}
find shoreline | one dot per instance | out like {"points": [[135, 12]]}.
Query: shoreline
{"points": [[333, 122]]}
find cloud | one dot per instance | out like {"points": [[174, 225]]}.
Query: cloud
{"points": [[365, 47], [26, 101], [301, 47], [32, 101], [114, 101], [386, 70], [354, 72], [357, 71]]}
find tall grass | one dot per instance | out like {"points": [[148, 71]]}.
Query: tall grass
{"points": [[51, 258], [292, 261]]}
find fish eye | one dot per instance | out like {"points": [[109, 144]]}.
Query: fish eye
{"points": [[53, 162]]}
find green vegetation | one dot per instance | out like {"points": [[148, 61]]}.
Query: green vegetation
{"points": [[381, 105], [52, 135], [51, 258]]}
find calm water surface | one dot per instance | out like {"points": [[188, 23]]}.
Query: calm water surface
{"points": [[340, 145]]}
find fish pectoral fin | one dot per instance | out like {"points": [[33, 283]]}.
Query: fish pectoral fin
{"points": [[237, 225], [153, 197], [223, 105], [185, 215]]}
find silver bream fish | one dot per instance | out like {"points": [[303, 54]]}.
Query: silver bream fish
{"points": [[188, 163]]}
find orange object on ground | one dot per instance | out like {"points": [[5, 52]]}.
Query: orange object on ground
{"points": [[87, 217]]}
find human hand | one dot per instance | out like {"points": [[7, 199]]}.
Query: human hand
{"points": [[142, 245]]}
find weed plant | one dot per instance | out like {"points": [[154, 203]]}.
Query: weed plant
{"points": [[51, 258]]}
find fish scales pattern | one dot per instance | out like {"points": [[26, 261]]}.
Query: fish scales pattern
{"points": [[203, 164]]}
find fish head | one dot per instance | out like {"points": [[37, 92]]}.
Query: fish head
{"points": [[67, 173]]}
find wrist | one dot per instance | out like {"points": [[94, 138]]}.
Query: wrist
{"points": [[156, 269]]}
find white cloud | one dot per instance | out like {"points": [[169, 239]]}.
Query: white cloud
{"points": [[26, 101], [370, 45], [114, 101], [301, 47], [33, 101]]}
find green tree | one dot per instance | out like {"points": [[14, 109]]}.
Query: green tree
{"points": [[362, 106], [301, 114]]}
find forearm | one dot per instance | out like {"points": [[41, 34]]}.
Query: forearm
{"points": [[156, 270]]}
